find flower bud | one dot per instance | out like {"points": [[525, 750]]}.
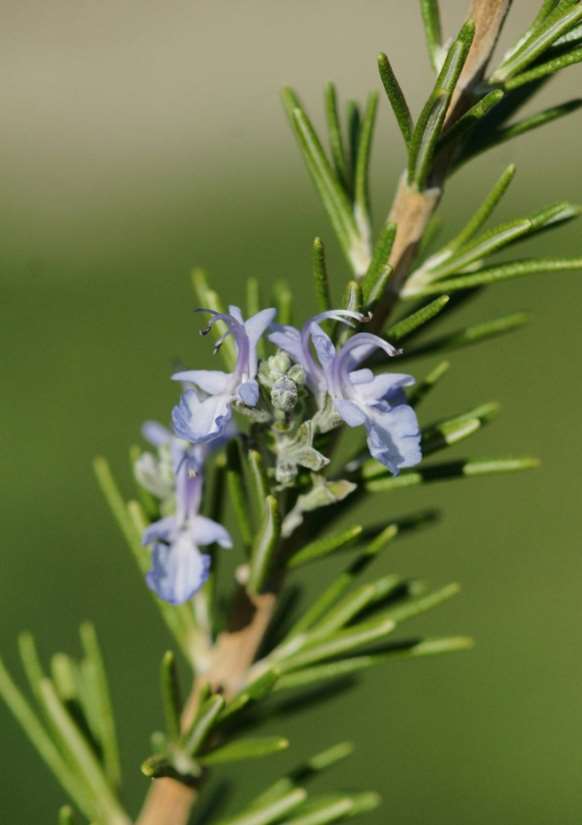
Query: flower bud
{"points": [[297, 375], [284, 394]]}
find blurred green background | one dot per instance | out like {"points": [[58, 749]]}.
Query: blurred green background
{"points": [[141, 138]]}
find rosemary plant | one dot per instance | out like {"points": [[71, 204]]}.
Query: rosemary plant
{"points": [[308, 420]]}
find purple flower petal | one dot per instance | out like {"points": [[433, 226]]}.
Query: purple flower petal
{"points": [[178, 571], [206, 531], [213, 382]]}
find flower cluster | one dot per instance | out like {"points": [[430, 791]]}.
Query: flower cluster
{"points": [[335, 388]]}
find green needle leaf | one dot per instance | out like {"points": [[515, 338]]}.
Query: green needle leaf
{"points": [[348, 667], [43, 744], [432, 26], [414, 607], [323, 547], [396, 98], [429, 126], [322, 812], [495, 274], [339, 586], [253, 296], [464, 468], [361, 179], [355, 603], [491, 241], [171, 697], [303, 773], [103, 706], [336, 142], [424, 387], [545, 69], [332, 194], [479, 218], [320, 276], [283, 301], [243, 749], [338, 644], [487, 140], [205, 721], [354, 125], [236, 491], [258, 483], [66, 816], [328, 808], [265, 546], [80, 753], [472, 116], [272, 812], [259, 688], [551, 28], [471, 335], [408, 325], [452, 430], [375, 280]]}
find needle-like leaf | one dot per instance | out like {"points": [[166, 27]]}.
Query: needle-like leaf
{"points": [[408, 325], [550, 67], [348, 667], [552, 27], [332, 594], [203, 725], [464, 468], [303, 773], [236, 491], [242, 749], [479, 218], [44, 745], [283, 302], [265, 546], [424, 387], [472, 117], [431, 19], [362, 170], [271, 812], [488, 139], [323, 547], [396, 98], [171, 697], [320, 276], [336, 142], [470, 335], [66, 816], [376, 277], [102, 704], [495, 274], [429, 126], [332, 194]]}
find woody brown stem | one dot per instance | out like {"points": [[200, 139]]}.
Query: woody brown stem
{"points": [[170, 802], [412, 208]]}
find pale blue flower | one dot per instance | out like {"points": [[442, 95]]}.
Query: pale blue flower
{"points": [[204, 412], [179, 569], [375, 402]]}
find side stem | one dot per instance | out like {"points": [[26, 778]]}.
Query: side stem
{"points": [[412, 209]]}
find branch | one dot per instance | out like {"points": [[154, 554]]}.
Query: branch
{"points": [[412, 208], [170, 802]]}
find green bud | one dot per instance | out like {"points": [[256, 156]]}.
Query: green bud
{"points": [[297, 374], [274, 368], [284, 394]]}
